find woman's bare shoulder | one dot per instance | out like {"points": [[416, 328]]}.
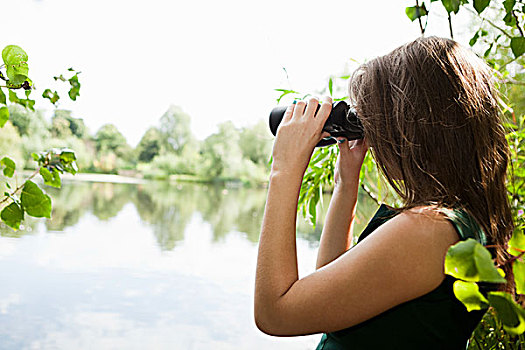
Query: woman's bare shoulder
{"points": [[428, 223]]}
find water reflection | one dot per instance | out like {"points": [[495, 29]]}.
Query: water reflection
{"points": [[168, 208], [156, 265]]}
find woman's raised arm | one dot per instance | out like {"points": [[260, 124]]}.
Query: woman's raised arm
{"points": [[337, 231]]}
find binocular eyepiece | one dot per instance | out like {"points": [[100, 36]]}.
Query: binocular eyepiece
{"points": [[342, 122]]}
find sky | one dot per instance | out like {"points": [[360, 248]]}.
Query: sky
{"points": [[217, 60]]}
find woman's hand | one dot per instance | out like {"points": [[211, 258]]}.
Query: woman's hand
{"points": [[349, 162], [300, 130]]}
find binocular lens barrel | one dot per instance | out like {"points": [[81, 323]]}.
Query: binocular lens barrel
{"points": [[342, 122]]}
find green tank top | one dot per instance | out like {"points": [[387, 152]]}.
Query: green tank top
{"points": [[436, 320]]}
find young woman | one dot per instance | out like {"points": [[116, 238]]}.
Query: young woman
{"points": [[430, 115]]}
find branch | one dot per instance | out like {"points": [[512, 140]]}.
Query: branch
{"points": [[514, 258], [491, 23], [370, 194], [450, 26], [517, 22], [419, 18], [19, 187], [426, 21], [513, 81], [508, 62]]}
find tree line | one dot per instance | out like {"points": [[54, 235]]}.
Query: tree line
{"points": [[167, 150]]}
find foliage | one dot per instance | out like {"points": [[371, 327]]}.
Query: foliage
{"points": [[150, 145], [222, 155], [255, 143], [230, 154], [112, 149], [27, 198], [175, 128], [63, 124]]}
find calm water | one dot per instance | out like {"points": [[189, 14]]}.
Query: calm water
{"points": [[152, 266]]}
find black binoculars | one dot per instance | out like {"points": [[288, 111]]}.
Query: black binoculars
{"points": [[342, 122]]}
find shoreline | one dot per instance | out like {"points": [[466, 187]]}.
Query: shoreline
{"points": [[94, 177], [123, 179]]}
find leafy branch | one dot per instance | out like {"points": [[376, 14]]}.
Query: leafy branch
{"points": [[29, 198]]}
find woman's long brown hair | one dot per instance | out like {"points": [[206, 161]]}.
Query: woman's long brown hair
{"points": [[431, 118]]}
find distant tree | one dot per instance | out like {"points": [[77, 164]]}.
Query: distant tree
{"points": [[256, 143], [28, 122], [60, 127], [150, 145], [11, 143], [222, 153], [20, 118], [63, 120], [175, 128], [109, 139]]}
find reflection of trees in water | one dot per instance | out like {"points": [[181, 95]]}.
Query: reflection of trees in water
{"points": [[109, 198], [70, 203], [168, 208], [29, 226], [233, 209]]}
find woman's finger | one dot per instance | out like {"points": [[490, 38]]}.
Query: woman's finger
{"points": [[299, 109], [289, 112], [311, 107], [324, 111]]}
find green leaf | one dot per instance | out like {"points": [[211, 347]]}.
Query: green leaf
{"points": [[470, 261], [480, 5], [27, 103], [74, 92], [61, 78], [15, 60], [67, 156], [416, 12], [51, 178], [35, 202], [12, 215], [3, 99], [451, 5], [51, 96], [284, 92], [4, 116], [330, 86], [509, 20], [518, 268], [10, 166], [13, 54], [17, 74], [46, 174], [517, 243], [468, 293], [474, 39], [12, 96], [67, 161], [487, 52], [517, 45], [509, 5], [510, 314]]}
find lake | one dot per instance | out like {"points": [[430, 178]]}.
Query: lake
{"points": [[147, 266]]}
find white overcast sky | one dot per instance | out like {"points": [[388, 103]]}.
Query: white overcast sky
{"points": [[218, 60]]}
